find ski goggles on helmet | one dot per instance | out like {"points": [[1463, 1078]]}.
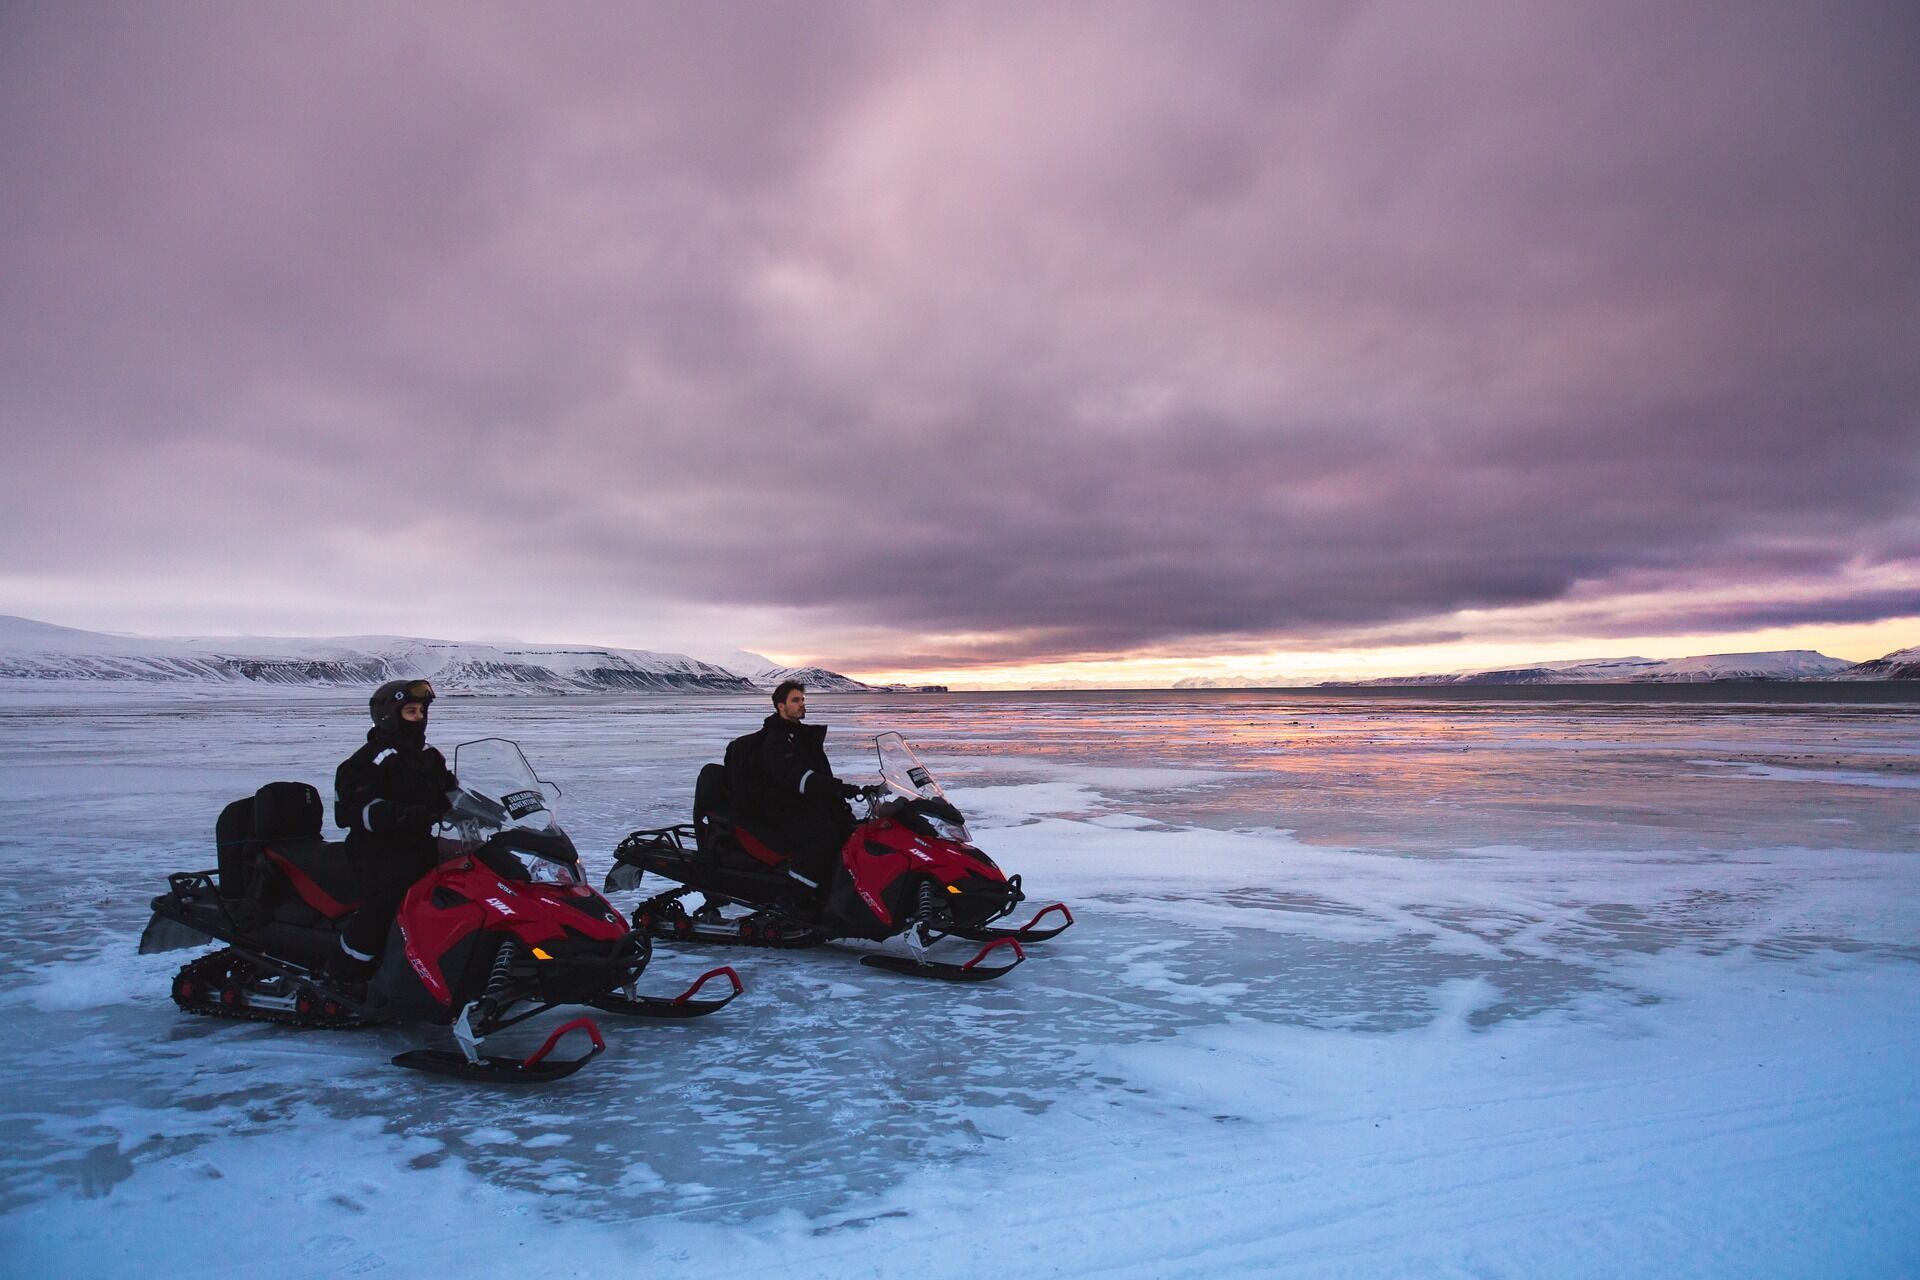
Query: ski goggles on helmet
{"points": [[414, 691]]}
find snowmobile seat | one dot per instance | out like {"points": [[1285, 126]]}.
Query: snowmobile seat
{"points": [[232, 847], [712, 793], [286, 811], [754, 847], [712, 805], [277, 811], [298, 866], [315, 874], [717, 831]]}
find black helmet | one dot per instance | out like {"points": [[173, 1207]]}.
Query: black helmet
{"points": [[387, 700]]}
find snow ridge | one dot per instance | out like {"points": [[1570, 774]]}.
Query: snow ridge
{"points": [[1901, 664], [38, 651], [816, 679], [1787, 664], [767, 674]]}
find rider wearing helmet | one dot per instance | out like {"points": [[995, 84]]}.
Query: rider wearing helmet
{"points": [[388, 795]]}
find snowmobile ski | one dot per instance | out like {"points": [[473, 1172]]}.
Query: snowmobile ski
{"points": [[1026, 933], [680, 1006], [538, 1067], [971, 971]]}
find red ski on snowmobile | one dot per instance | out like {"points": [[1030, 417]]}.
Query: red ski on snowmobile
{"points": [[910, 871], [503, 929]]}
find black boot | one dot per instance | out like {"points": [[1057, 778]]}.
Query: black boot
{"points": [[351, 972]]}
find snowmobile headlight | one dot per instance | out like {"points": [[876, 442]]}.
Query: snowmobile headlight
{"points": [[546, 871], [954, 831]]}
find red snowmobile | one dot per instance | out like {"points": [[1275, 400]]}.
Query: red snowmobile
{"points": [[503, 929], [910, 871]]}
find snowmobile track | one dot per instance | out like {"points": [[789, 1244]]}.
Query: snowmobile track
{"points": [[201, 987], [663, 916]]}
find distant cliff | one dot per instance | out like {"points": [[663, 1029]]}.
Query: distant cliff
{"points": [[1902, 664], [1786, 664], [41, 652]]}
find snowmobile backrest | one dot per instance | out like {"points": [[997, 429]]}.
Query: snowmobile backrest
{"points": [[233, 847], [286, 811], [712, 795], [742, 774]]}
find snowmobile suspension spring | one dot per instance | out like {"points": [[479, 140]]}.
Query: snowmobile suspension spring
{"points": [[502, 965]]}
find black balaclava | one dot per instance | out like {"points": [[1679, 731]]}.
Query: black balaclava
{"points": [[385, 707], [412, 732]]}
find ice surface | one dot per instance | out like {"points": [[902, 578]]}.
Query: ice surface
{"points": [[1358, 988]]}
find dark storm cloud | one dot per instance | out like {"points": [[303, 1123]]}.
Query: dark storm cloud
{"points": [[979, 333]]}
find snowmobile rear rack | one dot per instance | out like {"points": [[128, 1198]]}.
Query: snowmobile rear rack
{"points": [[626, 872], [185, 891], [679, 836], [191, 883]]}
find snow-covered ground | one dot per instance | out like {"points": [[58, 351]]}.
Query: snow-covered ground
{"points": [[1359, 988]]}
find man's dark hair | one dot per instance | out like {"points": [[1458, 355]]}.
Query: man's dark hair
{"points": [[785, 687]]}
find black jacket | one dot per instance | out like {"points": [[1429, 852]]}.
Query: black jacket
{"points": [[794, 773], [376, 786]]}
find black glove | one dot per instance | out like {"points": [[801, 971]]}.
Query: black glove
{"points": [[850, 792], [416, 820]]}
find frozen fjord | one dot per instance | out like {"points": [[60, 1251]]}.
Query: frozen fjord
{"points": [[1360, 987]]}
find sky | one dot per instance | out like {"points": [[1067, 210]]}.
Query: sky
{"points": [[993, 342]]}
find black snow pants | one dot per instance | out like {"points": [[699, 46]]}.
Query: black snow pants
{"points": [[388, 873], [813, 837]]}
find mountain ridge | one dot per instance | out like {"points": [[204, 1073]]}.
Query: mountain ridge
{"points": [[34, 651], [1779, 664]]}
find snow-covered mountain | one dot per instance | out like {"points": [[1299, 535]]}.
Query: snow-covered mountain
{"points": [[1902, 664], [1236, 682], [1787, 664], [39, 651], [765, 673], [817, 680], [739, 661]]}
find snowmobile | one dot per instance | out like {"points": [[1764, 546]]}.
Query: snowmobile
{"points": [[909, 871], [503, 929]]}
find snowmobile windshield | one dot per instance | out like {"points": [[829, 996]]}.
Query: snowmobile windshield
{"points": [[902, 771], [911, 780], [498, 791]]}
